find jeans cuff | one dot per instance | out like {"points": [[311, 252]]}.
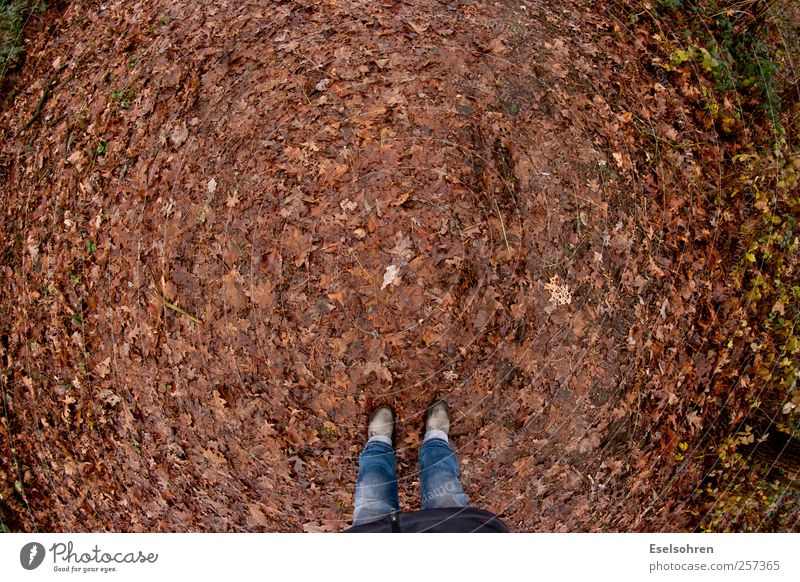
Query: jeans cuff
{"points": [[380, 439], [435, 434]]}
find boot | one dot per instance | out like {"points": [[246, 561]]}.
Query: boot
{"points": [[381, 422], [438, 418]]}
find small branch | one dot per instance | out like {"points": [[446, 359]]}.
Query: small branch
{"points": [[502, 226], [48, 90], [177, 308]]}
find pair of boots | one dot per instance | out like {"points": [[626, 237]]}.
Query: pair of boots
{"points": [[376, 494], [382, 419], [445, 506]]}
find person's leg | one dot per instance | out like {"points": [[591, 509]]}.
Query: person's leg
{"points": [[376, 486], [438, 467]]}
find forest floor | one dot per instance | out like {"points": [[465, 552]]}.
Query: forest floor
{"points": [[235, 227]]}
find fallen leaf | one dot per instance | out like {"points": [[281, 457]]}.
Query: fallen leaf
{"points": [[418, 28], [391, 277], [76, 159], [400, 200], [559, 294], [179, 134], [102, 369], [380, 371], [694, 420]]}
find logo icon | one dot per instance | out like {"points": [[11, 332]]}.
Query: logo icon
{"points": [[31, 555]]}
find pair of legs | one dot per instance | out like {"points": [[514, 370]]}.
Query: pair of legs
{"points": [[376, 487]]}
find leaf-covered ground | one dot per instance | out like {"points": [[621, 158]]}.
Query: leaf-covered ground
{"points": [[237, 226]]}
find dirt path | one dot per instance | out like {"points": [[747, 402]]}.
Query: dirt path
{"points": [[361, 202]]}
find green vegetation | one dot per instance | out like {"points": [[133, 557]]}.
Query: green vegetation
{"points": [[734, 47], [740, 498], [12, 18], [14, 15], [734, 60], [328, 431], [124, 97]]}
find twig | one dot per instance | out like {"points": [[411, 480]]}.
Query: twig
{"points": [[659, 139], [502, 226], [48, 90], [177, 308]]}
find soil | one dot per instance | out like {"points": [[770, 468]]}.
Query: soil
{"points": [[238, 226]]}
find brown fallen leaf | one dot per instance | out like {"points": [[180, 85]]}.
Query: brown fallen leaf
{"points": [[391, 276], [380, 371], [400, 200], [179, 134]]}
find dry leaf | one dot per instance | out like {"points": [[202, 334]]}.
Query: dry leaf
{"points": [[694, 420], [380, 371], [102, 369], [401, 199], [391, 277], [559, 294], [179, 134]]}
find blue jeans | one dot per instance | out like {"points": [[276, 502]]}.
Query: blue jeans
{"points": [[376, 486]]}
